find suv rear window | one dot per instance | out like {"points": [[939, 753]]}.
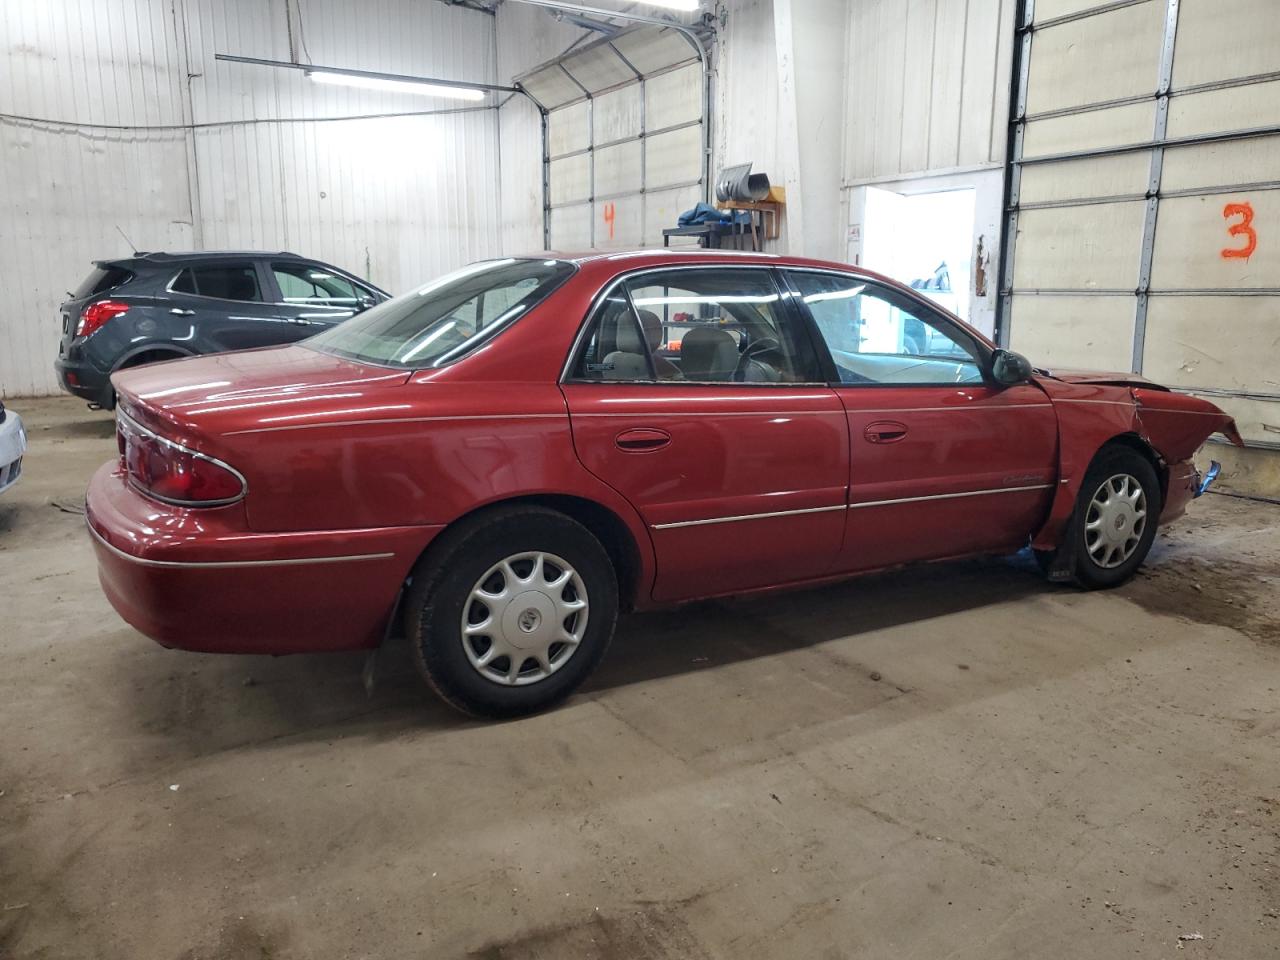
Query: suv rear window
{"points": [[224, 282], [100, 280]]}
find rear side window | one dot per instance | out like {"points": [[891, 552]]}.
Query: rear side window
{"points": [[237, 281], [304, 283], [102, 279], [705, 325]]}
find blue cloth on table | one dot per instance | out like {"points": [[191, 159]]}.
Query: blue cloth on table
{"points": [[705, 213]]}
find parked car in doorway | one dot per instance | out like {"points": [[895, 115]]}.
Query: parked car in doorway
{"points": [[13, 445], [503, 460], [165, 306]]}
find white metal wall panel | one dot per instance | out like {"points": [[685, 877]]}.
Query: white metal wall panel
{"points": [[1083, 333], [1193, 235], [1225, 40], [1068, 248], [671, 158], [618, 114], [569, 129], [1097, 129], [61, 206], [1201, 253], [618, 169], [927, 86], [1230, 108], [1241, 355], [1116, 176], [673, 97], [1097, 58], [1209, 165], [398, 199]]}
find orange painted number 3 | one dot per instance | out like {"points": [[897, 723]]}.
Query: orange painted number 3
{"points": [[609, 214], [1242, 229]]}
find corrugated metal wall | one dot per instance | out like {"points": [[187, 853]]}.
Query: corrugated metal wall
{"points": [[926, 91], [397, 199]]}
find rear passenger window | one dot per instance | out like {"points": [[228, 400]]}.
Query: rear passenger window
{"points": [[223, 282], [302, 283], [714, 325]]}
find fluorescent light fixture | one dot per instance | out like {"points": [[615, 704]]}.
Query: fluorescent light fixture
{"points": [[395, 86]]}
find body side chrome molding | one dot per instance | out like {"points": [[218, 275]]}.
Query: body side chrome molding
{"points": [[852, 506], [230, 564]]}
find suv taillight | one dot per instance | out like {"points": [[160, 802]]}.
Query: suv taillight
{"points": [[174, 474], [96, 314]]}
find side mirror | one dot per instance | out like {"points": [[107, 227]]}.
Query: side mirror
{"points": [[1008, 368]]}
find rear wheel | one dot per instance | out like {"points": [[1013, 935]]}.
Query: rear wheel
{"points": [[512, 611], [1114, 523]]}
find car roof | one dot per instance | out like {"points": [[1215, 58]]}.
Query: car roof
{"points": [[175, 255], [626, 259]]}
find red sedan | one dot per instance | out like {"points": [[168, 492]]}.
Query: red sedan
{"points": [[507, 457]]}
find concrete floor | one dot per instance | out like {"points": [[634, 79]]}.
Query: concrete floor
{"points": [[960, 761]]}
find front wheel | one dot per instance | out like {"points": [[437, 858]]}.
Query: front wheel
{"points": [[1114, 523], [512, 611]]}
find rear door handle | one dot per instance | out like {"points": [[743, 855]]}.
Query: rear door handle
{"points": [[885, 431], [179, 312], [641, 440]]}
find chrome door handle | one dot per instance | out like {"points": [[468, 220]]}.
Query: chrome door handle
{"points": [[179, 312], [641, 440]]}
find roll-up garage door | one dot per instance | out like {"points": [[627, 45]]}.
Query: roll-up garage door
{"points": [[625, 142], [1144, 196]]}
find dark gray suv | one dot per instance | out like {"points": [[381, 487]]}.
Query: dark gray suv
{"points": [[164, 306]]}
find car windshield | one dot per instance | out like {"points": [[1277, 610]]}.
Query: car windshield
{"points": [[446, 318]]}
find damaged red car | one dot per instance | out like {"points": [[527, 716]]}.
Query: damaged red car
{"points": [[504, 459]]}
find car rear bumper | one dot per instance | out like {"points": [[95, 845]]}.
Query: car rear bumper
{"points": [[13, 444], [1184, 484], [85, 381], [189, 579]]}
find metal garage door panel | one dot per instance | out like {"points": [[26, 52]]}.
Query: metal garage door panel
{"points": [[571, 227], [552, 87], [1225, 342], [1233, 108], [1122, 175], [598, 68], [568, 130], [1226, 39], [618, 223], [1090, 333], [1113, 127], [570, 179], [672, 158], [618, 169], [674, 97], [1046, 10], [1191, 237], [662, 208], [617, 114], [1079, 248], [1095, 59], [1256, 160], [652, 50]]}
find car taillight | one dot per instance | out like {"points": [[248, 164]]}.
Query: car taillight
{"points": [[170, 472], [96, 314]]}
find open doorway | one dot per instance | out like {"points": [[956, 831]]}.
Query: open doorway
{"points": [[924, 240]]}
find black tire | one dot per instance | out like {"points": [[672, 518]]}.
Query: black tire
{"points": [[1112, 462], [441, 591]]}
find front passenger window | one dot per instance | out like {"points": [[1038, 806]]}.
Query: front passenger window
{"points": [[878, 335]]}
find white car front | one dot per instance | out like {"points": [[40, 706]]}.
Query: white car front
{"points": [[13, 444]]}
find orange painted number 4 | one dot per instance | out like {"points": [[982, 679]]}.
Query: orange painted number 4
{"points": [[609, 215], [1243, 229]]}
